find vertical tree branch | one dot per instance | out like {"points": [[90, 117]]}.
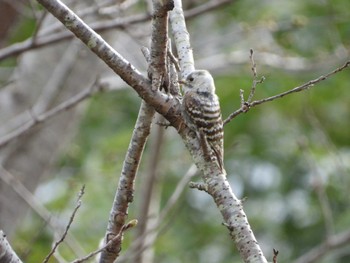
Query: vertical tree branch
{"points": [[159, 40], [125, 191], [158, 227], [182, 39], [215, 182], [158, 71], [150, 196]]}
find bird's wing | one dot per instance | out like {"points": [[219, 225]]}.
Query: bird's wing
{"points": [[193, 109]]}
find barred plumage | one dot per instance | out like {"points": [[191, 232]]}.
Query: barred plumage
{"points": [[201, 111]]}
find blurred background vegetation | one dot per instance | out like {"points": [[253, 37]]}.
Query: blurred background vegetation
{"points": [[289, 158]]}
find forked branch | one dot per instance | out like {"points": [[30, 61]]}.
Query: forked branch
{"points": [[248, 105], [215, 181]]}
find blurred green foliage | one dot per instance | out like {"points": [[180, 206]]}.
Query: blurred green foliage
{"points": [[281, 155]]}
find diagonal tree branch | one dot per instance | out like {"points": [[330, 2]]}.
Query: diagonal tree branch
{"points": [[162, 103], [161, 225], [125, 191], [7, 254], [331, 243], [248, 105], [47, 39], [125, 227], [157, 64], [150, 189], [39, 209], [205, 7], [44, 39], [36, 120], [71, 219]]}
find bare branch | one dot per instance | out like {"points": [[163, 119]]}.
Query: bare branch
{"points": [[57, 243], [318, 186], [215, 181], [182, 39], [159, 43], [275, 254], [173, 70], [125, 227], [40, 40], [328, 245], [206, 7], [256, 81], [94, 41], [302, 87], [162, 103], [177, 192], [158, 228], [149, 192], [38, 26], [199, 185], [224, 61], [34, 204], [36, 120], [125, 191], [157, 59], [51, 38], [49, 92], [7, 254]]}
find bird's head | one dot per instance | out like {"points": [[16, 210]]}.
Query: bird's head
{"points": [[199, 81]]}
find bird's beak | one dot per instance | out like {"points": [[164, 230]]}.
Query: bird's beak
{"points": [[182, 81]]}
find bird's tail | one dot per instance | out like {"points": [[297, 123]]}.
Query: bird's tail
{"points": [[219, 155]]}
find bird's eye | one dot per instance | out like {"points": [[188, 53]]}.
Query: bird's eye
{"points": [[191, 79]]}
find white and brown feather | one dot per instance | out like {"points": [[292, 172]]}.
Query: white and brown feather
{"points": [[201, 110]]}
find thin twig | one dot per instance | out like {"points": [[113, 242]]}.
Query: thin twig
{"points": [[199, 185], [251, 57], [208, 6], [173, 59], [192, 170], [125, 227], [150, 190], [302, 87], [256, 81], [318, 186], [162, 103], [125, 192], [241, 96], [331, 243], [38, 26], [57, 243], [159, 227], [275, 254], [38, 208], [36, 120], [52, 38]]}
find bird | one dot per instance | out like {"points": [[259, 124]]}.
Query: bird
{"points": [[202, 114]]}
